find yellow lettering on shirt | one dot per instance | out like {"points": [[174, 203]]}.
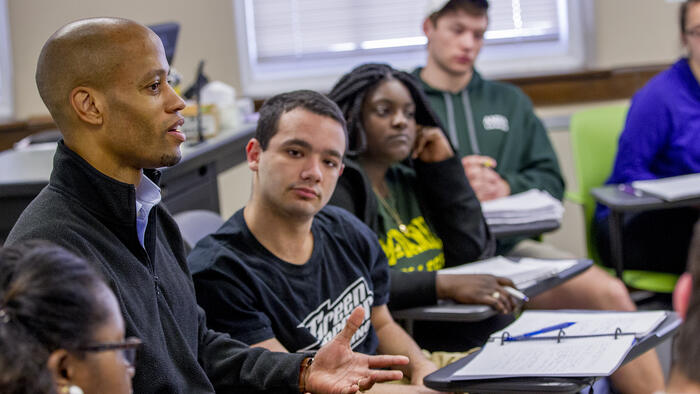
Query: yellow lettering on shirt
{"points": [[417, 239]]}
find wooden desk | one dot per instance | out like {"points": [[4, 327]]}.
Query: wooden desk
{"points": [[12, 130]]}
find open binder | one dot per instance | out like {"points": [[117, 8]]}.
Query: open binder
{"points": [[591, 344], [445, 379]]}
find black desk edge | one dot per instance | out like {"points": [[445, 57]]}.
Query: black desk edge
{"points": [[485, 311]]}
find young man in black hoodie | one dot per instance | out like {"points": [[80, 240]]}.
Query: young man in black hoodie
{"points": [[104, 82]]}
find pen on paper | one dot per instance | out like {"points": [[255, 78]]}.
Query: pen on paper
{"points": [[627, 188], [541, 331], [516, 293]]}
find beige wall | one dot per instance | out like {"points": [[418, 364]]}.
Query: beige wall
{"points": [[635, 32], [627, 33], [206, 32], [624, 33]]}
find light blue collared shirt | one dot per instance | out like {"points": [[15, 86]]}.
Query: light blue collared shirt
{"points": [[147, 196]]}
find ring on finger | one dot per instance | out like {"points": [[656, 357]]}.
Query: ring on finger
{"points": [[496, 295]]}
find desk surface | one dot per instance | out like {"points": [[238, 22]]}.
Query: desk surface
{"points": [[191, 184], [618, 200], [524, 229], [34, 165], [441, 379], [472, 313]]}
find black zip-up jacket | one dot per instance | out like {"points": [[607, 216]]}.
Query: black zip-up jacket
{"points": [[95, 216], [448, 204]]}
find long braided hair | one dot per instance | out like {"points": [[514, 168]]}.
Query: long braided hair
{"points": [[352, 89]]}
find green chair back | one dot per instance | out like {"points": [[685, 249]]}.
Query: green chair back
{"points": [[594, 134]]}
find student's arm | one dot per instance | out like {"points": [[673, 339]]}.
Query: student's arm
{"points": [[452, 209], [231, 365], [271, 344], [646, 131], [448, 201], [394, 340]]}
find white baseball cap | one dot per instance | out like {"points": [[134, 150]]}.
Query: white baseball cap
{"points": [[435, 6]]}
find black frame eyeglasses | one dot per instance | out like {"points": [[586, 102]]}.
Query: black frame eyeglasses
{"points": [[128, 348]]}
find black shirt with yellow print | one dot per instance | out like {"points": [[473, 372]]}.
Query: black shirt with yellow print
{"points": [[407, 239]]}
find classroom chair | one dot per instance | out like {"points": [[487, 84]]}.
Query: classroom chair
{"points": [[196, 224], [594, 136]]}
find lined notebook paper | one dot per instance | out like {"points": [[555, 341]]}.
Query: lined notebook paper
{"points": [[590, 356]]}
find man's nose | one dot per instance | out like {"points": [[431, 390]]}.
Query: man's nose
{"points": [[468, 40], [312, 170], [175, 102]]}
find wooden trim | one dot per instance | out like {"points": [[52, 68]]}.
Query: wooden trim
{"points": [[580, 87], [587, 86], [12, 130]]}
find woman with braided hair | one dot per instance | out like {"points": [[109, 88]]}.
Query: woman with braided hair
{"points": [[404, 181], [61, 330]]}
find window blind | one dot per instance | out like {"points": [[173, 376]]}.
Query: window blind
{"points": [[306, 29]]}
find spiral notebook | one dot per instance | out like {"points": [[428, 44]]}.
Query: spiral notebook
{"points": [[593, 344]]}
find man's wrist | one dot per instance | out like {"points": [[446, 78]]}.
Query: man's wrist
{"points": [[304, 368]]}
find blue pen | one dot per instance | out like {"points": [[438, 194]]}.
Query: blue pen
{"points": [[541, 331]]}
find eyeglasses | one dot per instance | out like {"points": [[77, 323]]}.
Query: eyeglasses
{"points": [[128, 348]]}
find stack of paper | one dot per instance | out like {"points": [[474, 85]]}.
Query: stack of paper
{"points": [[580, 352], [671, 189], [523, 273], [526, 207]]}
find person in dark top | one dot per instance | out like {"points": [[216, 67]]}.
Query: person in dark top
{"points": [[505, 149], [660, 140], [423, 210], [383, 108], [104, 80], [284, 272], [403, 179], [60, 325]]}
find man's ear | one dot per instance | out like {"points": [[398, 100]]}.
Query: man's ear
{"points": [[253, 151], [61, 367], [87, 105], [342, 167], [428, 27], [682, 293]]}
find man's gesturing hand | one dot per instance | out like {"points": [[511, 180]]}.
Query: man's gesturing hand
{"points": [[337, 369]]}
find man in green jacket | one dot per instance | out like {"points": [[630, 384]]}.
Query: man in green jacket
{"points": [[505, 150]]}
